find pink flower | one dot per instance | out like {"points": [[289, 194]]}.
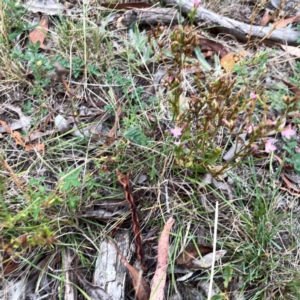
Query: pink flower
{"points": [[197, 3], [177, 131], [253, 95], [251, 128], [270, 122], [177, 143], [287, 132], [269, 147], [254, 147]]}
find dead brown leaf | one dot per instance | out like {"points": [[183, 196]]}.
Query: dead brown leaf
{"points": [[265, 19], [159, 279], [192, 252], [112, 133], [216, 47], [40, 32], [24, 122], [284, 22], [37, 147], [36, 135], [19, 140], [290, 185], [291, 50], [229, 61], [207, 260], [141, 286]]}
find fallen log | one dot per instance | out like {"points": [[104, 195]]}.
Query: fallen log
{"points": [[243, 32], [150, 16], [239, 29]]}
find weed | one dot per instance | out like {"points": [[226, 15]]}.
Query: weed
{"points": [[293, 157], [219, 103], [38, 64]]}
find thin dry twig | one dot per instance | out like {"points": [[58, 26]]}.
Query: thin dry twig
{"points": [[124, 180]]}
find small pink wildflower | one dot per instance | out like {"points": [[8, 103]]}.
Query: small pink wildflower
{"points": [[177, 131], [177, 143], [253, 95], [270, 122], [269, 147], [225, 122], [251, 128], [287, 132], [254, 147], [197, 3]]}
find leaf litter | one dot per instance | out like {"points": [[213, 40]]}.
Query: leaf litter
{"points": [[91, 121]]}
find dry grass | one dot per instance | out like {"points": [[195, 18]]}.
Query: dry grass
{"points": [[53, 202]]}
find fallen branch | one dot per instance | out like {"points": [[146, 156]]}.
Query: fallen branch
{"points": [[241, 30], [150, 16]]}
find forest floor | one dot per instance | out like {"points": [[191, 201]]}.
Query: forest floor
{"points": [[175, 144]]}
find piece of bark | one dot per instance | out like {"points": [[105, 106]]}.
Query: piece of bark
{"points": [[70, 288], [152, 16], [110, 272], [239, 29]]}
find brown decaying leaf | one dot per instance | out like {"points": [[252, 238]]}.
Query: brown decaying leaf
{"points": [[36, 135], [124, 180], [141, 286], [285, 22], [127, 6], [290, 185], [216, 47], [230, 60], [265, 19], [190, 253], [20, 141], [37, 147], [159, 279], [40, 32], [207, 260], [112, 133], [24, 122], [291, 50]]}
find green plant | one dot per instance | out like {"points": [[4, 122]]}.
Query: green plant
{"points": [[77, 66], [68, 184], [298, 29], [136, 135], [138, 50], [15, 21], [293, 157], [38, 64], [217, 104]]}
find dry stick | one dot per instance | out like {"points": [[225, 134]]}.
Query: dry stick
{"points": [[283, 36], [214, 252], [124, 180]]}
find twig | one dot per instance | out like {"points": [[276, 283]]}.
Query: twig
{"points": [[214, 252], [124, 180]]}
